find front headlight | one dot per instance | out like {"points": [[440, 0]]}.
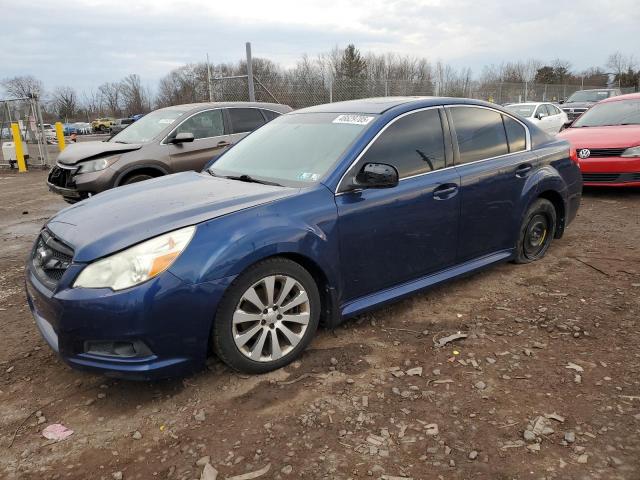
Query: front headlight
{"points": [[631, 152], [97, 165], [136, 264]]}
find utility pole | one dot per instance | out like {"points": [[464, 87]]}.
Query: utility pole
{"points": [[252, 93], [209, 79]]}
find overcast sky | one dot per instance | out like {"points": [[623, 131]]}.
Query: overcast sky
{"points": [[85, 43]]}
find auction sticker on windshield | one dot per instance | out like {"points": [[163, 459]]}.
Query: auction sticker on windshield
{"points": [[353, 119], [166, 120]]}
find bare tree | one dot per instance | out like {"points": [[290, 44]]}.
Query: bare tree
{"points": [[64, 103], [111, 94], [22, 86], [133, 95], [620, 63], [91, 104]]}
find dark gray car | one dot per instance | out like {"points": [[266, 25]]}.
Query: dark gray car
{"points": [[119, 125], [168, 140], [582, 100]]}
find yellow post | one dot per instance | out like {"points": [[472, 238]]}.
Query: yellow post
{"points": [[17, 141], [60, 135]]}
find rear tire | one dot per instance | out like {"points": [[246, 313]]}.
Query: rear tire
{"points": [[255, 338], [536, 232]]}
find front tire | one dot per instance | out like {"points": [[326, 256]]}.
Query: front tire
{"points": [[136, 177], [267, 317], [536, 232]]}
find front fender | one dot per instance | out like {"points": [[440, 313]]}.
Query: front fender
{"points": [[303, 225]]}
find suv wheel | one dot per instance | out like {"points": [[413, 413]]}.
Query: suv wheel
{"points": [[267, 317], [536, 232], [136, 177]]}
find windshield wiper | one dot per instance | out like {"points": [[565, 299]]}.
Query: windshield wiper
{"points": [[119, 141], [250, 179]]}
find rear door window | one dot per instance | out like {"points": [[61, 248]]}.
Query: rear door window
{"points": [[480, 133], [245, 119], [414, 144]]}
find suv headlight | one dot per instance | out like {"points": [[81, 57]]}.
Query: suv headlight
{"points": [[97, 165], [631, 152], [136, 264]]}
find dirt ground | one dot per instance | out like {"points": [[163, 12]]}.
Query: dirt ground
{"points": [[545, 386]]}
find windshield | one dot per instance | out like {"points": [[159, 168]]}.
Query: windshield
{"points": [[295, 147], [589, 96], [626, 112], [148, 127], [522, 110]]}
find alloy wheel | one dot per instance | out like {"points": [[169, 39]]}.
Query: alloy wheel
{"points": [[271, 318]]}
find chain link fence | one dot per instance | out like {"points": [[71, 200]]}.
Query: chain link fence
{"points": [[300, 93]]}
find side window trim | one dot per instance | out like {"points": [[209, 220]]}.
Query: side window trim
{"points": [[339, 190], [164, 140], [455, 138]]}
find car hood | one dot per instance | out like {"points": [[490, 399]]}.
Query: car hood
{"points": [[578, 105], [124, 216], [617, 136], [78, 152]]}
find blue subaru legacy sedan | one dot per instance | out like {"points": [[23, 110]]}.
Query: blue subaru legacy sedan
{"points": [[320, 215]]}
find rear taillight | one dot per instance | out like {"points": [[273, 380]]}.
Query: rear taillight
{"points": [[573, 154]]}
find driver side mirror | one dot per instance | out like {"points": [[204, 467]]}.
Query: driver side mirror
{"points": [[540, 116], [376, 175], [182, 137]]}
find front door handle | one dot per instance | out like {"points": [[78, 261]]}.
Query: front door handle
{"points": [[446, 191], [223, 144], [523, 170]]}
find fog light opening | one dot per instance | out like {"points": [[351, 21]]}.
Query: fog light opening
{"points": [[118, 349]]}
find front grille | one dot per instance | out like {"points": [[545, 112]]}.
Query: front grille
{"points": [[604, 152], [50, 258], [62, 177], [573, 113], [611, 177]]}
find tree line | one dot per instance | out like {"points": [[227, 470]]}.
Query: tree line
{"points": [[339, 74]]}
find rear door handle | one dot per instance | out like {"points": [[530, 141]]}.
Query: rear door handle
{"points": [[523, 170], [223, 144], [446, 191]]}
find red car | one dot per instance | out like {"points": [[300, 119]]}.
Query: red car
{"points": [[606, 139]]}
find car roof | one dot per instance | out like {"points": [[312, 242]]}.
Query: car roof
{"points": [[379, 105], [528, 103], [278, 107], [603, 89], [620, 98]]}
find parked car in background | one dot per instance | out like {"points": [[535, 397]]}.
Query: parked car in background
{"points": [[120, 124], [69, 128], [169, 140], [582, 100], [102, 124], [320, 215], [137, 116], [607, 142], [82, 128], [547, 116], [49, 133]]}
